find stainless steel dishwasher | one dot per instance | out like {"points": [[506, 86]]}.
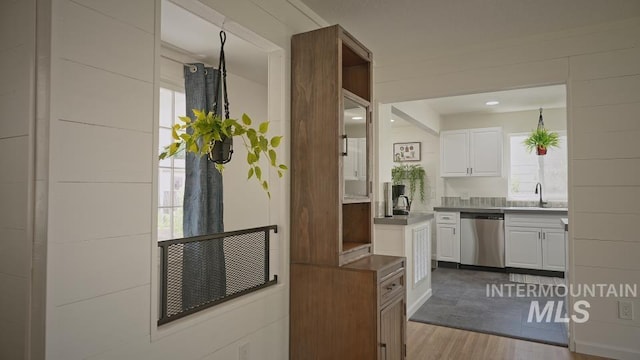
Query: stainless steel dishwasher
{"points": [[482, 239]]}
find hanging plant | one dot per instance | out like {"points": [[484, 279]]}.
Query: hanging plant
{"points": [[542, 139], [208, 132], [413, 174]]}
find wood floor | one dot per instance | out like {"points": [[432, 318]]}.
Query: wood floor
{"points": [[430, 342]]}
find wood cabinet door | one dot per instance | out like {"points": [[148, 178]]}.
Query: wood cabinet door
{"points": [[447, 247], [553, 250], [523, 247], [454, 153], [392, 330], [485, 156]]}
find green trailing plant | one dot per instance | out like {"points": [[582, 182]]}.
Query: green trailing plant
{"points": [[542, 139], [412, 174], [209, 128]]}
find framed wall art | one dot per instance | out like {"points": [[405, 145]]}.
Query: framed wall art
{"points": [[409, 151]]}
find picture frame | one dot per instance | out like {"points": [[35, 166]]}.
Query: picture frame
{"points": [[408, 151]]}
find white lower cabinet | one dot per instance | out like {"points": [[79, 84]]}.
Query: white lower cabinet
{"points": [[523, 248], [553, 250], [531, 247], [448, 236]]}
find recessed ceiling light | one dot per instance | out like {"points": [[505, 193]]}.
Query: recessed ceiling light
{"points": [[492, 102], [392, 120], [357, 118]]}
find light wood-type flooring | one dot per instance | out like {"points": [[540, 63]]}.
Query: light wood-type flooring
{"points": [[430, 342]]}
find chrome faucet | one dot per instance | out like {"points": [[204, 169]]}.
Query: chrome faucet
{"points": [[541, 204]]}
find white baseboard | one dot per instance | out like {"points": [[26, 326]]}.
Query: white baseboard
{"points": [[606, 351], [416, 305]]}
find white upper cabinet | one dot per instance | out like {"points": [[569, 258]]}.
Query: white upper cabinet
{"points": [[471, 152]]}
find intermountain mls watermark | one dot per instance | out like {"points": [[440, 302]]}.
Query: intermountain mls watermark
{"points": [[546, 313]]}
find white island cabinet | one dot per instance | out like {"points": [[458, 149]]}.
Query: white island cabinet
{"points": [[535, 242], [448, 236], [408, 236]]}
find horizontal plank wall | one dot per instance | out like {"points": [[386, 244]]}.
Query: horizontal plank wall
{"points": [[101, 289], [601, 67], [17, 74]]}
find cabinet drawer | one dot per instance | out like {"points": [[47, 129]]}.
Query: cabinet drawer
{"points": [[392, 286], [446, 217], [528, 220]]}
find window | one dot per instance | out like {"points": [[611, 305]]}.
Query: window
{"points": [[526, 169], [170, 170]]}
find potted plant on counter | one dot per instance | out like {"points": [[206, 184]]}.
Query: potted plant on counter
{"points": [[413, 174], [210, 135], [542, 139]]}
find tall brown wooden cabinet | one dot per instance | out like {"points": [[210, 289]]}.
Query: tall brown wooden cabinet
{"points": [[345, 302]]}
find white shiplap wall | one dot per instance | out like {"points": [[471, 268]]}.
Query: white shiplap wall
{"points": [[601, 67], [17, 58], [100, 161]]}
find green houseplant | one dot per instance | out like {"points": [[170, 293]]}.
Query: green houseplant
{"points": [[542, 139], [413, 174], [209, 131]]}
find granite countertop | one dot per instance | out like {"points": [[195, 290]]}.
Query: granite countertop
{"points": [[565, 222], [502, 209], [412, 218]]}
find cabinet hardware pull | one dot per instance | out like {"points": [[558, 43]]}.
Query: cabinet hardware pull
{"points": [[454, 231], [538, 235], [346, 145], [471, 171], [544, 236]]}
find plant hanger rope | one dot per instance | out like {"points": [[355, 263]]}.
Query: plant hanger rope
{"points": [[222, 72], [540, 121]]}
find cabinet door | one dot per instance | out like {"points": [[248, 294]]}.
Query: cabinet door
{"points": [[523, 247], [351, 160], [392, 330], [448, 243], [361, 169], [454, 153], [553, 250], [485, 156]]}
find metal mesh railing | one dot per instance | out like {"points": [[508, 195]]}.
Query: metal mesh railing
{"points": [[203, 271]]}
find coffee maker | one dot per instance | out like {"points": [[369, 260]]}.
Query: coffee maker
{"points": [[401, 203]]}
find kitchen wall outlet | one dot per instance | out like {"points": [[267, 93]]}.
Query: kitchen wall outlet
{"points": [[625, 310], [243, 351]]}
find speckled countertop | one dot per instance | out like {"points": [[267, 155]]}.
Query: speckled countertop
{"points": [[412, 218], [503, 209]]}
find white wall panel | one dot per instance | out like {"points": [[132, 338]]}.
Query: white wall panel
{"points": [[609, 254], [606, 64], [135, 13], [610, 340], [92, 38], [607, 199], [607, 91], [599, 119], [97, 267], [95, 96], [14, 24], [614, 172], [15, 253], [14, 159], [606, 145], [13, 209], [15, 81], [621, 227], [85, 211], [13, 298], [93, 326], [95, 153]]}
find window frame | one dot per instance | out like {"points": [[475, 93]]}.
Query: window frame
{"points": [[510, 196]]}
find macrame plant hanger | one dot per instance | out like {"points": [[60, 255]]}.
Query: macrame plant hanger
{"points": [[222, 150], [540, 121]]}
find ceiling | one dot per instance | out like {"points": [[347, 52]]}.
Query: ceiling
{"points": [[547, 97], [200, 39], [400, 30]]}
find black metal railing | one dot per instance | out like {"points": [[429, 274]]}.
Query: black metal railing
{"points": [[203, 271]]}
